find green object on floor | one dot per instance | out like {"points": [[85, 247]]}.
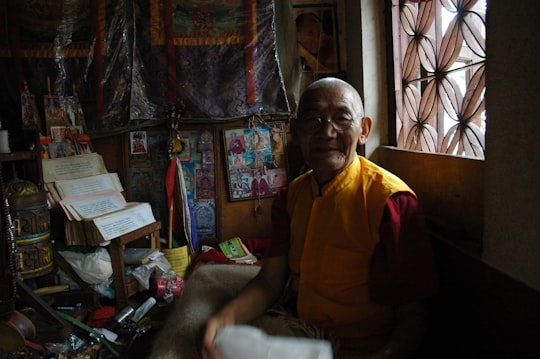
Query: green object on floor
{"points": [[83, 326]]}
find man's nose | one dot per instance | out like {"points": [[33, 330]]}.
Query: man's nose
{"points": [[327, 126]]}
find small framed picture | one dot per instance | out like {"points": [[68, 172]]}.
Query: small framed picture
{"points": [[138, 142], [72, 110], [63, 133], [59, 133], [186, 153], [205, 184], [204, 212], [54, 114], [83, 144], [58, 149]]}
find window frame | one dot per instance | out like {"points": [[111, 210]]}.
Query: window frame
{"points": [[399, 128]]}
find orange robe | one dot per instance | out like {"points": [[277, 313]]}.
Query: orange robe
{"points": [[334, 231]]}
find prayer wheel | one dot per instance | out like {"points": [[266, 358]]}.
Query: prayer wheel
{"points": [[31, 228]]}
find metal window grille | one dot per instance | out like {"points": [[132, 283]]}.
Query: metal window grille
{"points": [[439, 75]]}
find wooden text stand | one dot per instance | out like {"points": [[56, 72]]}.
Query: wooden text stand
{"points": [[116, 250]]}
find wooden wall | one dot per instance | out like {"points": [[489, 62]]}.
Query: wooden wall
{"points": [[233, 218], [480, 312], [449, 188]]}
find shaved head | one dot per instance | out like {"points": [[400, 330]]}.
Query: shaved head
{"points": [[333, 82]]}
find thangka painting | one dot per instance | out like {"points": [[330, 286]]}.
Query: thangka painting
{"points": [[256, 160], [214, 59], [225, 59]]}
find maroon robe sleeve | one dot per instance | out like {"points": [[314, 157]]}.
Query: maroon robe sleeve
{"points": [[403, 267], [279, 243]]}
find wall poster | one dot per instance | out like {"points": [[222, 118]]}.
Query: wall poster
{"points": [[256, 160], [148, 170], [317, 36]]}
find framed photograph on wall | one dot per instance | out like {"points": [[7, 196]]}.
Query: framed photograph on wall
{"points": [[256, 160], [138, 142], [317, 36]]}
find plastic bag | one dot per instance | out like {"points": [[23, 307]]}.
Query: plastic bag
{"points": [[93, 268], [156, 268]]}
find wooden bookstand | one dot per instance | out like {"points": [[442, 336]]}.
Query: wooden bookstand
{"points": [[116, 249]]}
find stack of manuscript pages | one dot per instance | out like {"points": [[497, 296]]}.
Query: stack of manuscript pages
{"points": [[92, 200]]}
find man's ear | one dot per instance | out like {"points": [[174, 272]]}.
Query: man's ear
{"points": [[365, 125]]}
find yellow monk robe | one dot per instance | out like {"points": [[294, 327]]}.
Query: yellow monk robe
{"points": [[333, 236]]}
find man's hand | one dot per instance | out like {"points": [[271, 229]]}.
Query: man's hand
{"points": [[259, 294], [213, 325]]}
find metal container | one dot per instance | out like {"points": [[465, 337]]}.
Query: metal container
{"points": [[31, 229]]}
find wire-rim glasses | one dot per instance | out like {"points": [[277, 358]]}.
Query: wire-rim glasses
{"points": [[314, 124]]}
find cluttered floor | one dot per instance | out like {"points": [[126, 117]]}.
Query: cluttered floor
{"points": [[84, 324], [91, 329]]}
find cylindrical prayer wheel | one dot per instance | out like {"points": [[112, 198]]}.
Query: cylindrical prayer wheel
{"points": [[31, 228]]}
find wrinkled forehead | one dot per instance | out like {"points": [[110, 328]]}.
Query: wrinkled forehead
{"points": [[331, 97]]}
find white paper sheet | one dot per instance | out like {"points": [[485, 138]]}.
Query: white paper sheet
{"points": [[132, 217], [72, 167], [88, 185], [93, 205], [248, 342]]}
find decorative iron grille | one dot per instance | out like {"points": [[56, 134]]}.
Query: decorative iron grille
{"points": [[439, 72]]}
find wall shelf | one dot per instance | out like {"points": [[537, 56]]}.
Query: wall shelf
{"points": [[18, 156]]}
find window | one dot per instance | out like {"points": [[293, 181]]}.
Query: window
{"points": [[439, 72]]}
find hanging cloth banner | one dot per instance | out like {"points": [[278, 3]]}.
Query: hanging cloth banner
{"points": [[15, 43], [171, 56], [178, 204], [98, 57], [251, 39]]}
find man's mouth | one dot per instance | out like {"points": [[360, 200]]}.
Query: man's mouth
{"points": [[324, 149]]}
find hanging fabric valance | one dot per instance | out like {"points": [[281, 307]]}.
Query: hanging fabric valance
{"points": [[130, 61]]}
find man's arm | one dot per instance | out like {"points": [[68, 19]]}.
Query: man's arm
{"points": [[265, 289], [403, 274], [411, 323], [259, 294]]}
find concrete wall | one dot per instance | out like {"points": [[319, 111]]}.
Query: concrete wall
{"points": [[512, 193], [507, 226]]}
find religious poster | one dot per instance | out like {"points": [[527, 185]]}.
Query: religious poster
{"points": [[138, 142], [256, 161]]}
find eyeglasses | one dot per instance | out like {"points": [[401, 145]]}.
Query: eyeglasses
{"points": [[314, 124]]}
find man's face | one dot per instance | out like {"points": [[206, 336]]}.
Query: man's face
{"points": [[327, 149]]}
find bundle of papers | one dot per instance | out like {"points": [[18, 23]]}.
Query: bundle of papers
{"points": [[66, 171], [92, 200]]}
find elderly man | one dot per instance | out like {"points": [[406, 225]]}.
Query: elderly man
{"points": [[348, 234]]}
